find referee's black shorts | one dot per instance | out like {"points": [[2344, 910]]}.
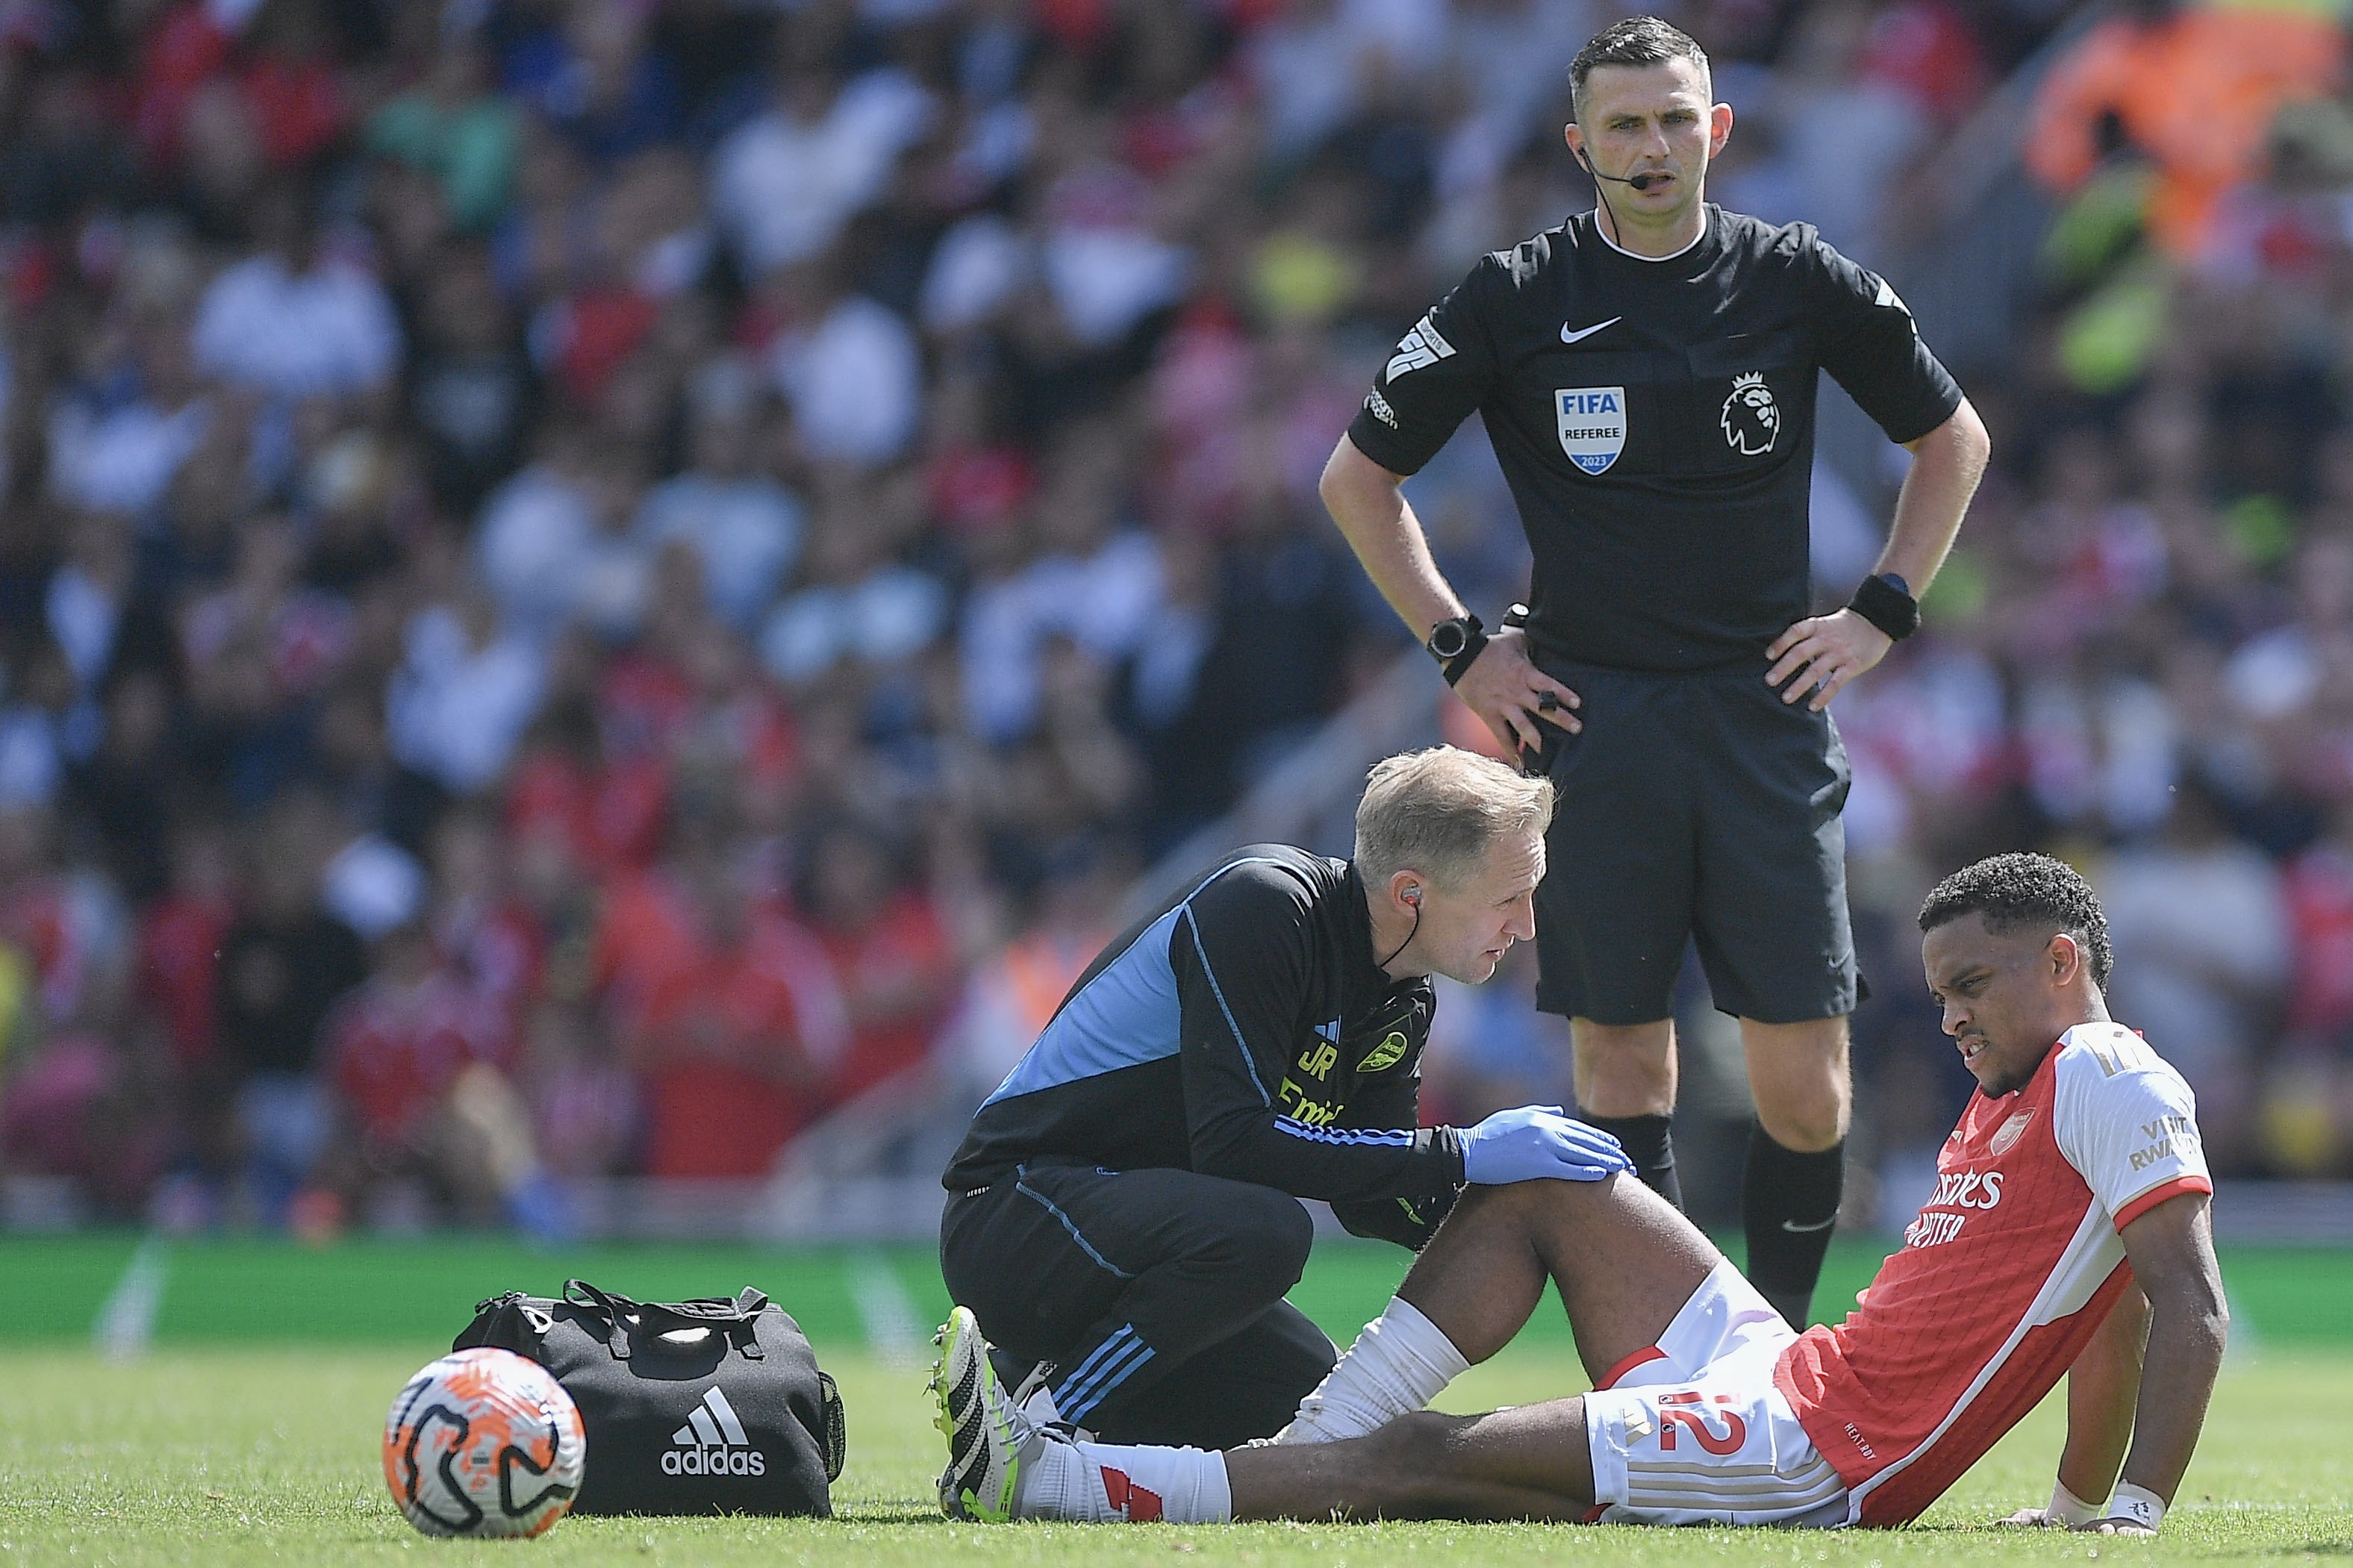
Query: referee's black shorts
{"points": [[1699, 808]]}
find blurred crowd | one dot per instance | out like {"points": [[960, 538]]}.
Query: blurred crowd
{"points": [[2141, 655], [624, 587]]}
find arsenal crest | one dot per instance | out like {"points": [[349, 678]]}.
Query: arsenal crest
{"points": [[2007, 1135]]}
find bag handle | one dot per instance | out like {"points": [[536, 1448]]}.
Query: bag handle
{"points": [[738, 1319], [615, 1310], [750, 1302]]}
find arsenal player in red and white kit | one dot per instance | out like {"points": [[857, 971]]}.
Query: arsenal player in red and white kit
{"points": [[2069, 1227]]}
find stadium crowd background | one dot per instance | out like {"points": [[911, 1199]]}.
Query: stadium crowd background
{"points": [[622, 587]]}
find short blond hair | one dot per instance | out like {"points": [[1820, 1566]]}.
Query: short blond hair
{"points": [[1439, 811]]}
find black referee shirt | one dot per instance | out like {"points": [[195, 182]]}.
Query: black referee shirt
{"points": [[1656, 420]]}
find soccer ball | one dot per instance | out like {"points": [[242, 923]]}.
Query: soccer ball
{"points": [[484, 1443]]}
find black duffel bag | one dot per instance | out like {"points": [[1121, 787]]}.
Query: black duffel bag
{"points": [[705, 1406]]}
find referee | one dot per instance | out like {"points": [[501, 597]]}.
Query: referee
{"points": [[1646, 373], [1125, 1207]]}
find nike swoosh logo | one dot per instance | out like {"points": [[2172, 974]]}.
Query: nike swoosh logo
{"points": [[1796, 1229], [1568, 337]]}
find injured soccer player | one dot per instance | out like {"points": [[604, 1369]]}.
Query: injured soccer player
{"points": [[2068, 1234]]}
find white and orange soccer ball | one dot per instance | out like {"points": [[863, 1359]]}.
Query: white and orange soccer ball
{"points": [[484, 1443]]}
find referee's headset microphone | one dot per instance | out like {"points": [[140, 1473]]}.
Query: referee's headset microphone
{"points": [[1643, 181]]}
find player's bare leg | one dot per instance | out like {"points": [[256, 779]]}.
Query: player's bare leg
{"points": [[1625, 1077], [1797, 1075], [1626, 1262], [1625, 1259], [1531, 1462]]}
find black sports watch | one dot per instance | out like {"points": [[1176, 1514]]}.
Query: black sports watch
{"points": [[1886, 602], [1456, 644]]}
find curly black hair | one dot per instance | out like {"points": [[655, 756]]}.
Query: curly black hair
{"points": [[2017, 890]]}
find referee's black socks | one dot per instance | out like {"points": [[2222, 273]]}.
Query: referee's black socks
{"points": [[1789, 1203], [1648, 1144]]}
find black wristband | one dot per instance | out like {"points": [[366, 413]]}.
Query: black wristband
{"points": [[1886, 602], [1460, 665]]}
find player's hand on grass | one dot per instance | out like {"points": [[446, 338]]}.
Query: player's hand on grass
{"points": [[2115, 1526], [2133, 1511], [2066, 1510], [1505, 688], [1819, 655], [1538, 1142]]}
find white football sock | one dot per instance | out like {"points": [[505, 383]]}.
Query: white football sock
{"points": [[1058, 1481], [1096, 1482], [1397, 1366], [1182, 1486]]}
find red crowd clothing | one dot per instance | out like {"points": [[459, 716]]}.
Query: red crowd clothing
{"points": [[37, 919], [180, 53], [393, 1049], [894, 971], [179, 942], [297, 107], [722, 1036], [609, 817], [2005, 1276], [2320, 915]]}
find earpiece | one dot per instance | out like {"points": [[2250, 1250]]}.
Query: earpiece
{"points": [[1412, 894]]}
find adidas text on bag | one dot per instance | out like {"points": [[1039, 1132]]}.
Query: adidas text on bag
{"points": [[713, 1443]]}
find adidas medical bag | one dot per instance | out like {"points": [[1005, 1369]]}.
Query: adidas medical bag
{"points": [[704, 1406]]}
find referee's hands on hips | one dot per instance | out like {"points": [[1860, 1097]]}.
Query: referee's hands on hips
{"points": [[1819, 655], [1505, 688]]}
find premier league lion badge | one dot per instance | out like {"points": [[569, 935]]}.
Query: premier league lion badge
{"points": [[1751, 419]]}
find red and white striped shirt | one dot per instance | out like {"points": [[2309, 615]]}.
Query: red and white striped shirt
{"points": [[2010, 1269]]}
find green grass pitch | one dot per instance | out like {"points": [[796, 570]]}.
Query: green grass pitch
{"points": [[261, 1445]]}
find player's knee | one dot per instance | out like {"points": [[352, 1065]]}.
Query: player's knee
{"points": [[1267, 1237], [1525, 1212]]}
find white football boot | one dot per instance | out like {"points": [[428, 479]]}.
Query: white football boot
{"points": [[989, 1439]]}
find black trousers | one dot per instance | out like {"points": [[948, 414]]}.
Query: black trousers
{"points": [[1157, 1296]]}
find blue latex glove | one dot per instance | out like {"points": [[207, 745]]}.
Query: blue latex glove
{"points": [[1533, 1142]]}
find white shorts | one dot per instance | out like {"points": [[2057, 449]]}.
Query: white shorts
{"points": [[1697, 1434]]}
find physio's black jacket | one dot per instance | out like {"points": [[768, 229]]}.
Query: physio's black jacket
{"points": [[1656, 420], [1242, 1030]]}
